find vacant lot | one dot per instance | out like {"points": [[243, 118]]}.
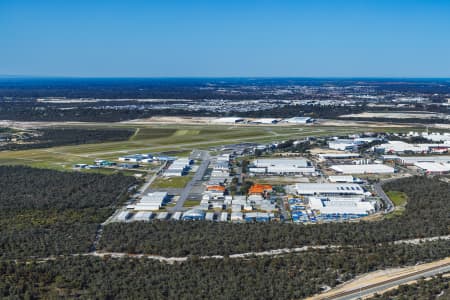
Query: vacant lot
{"points": [[171, 182], [398, 198]]}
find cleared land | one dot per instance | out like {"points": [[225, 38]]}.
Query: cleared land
{"points": [[172, 182], [399, 199]]}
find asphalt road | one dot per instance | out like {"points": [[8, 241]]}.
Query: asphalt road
{"points": [[197, 177], [146, 187], [380, 287], [379, 190]]}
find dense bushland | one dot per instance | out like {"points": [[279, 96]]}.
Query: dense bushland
{"points": [[46, 212], [51, 137], [293, 276]]}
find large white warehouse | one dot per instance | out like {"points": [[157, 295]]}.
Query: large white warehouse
{"points": [[433, 168], [282, 166], [363, 169], [328, 206], [329, 189], [297, 162], [411, 160], [403, 147], [151, 201]]}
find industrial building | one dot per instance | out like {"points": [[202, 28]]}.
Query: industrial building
{"points": [[411, 160], [209, 216], [193, 215], [343, 179], [346, 155], [257, 217], [329, 189], [299, 120], [237, 216], [179, 167], [363, 169], [344, 144], [259, 189], [265, 121], [144, 158], [437, 137], [142, 216], [162, 216], [224, 217], [350, 144], [151, 201], [176, 216], [400, 147], [231, 120], [123, 216], [433, 167], [334, 206], [280, 166]]}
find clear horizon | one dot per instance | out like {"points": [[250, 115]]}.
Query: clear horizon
{"points": [[225, 39]]}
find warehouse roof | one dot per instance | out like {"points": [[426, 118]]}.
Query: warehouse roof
{"points": [[298, 120], [337, 155], [260, 188], [349, 179], [328, 188], [433, 167], [228, 120], [428, 158], [266, 162], [363, 169]]}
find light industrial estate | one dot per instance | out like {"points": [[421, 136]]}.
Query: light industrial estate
{"points": [[331, 179]]}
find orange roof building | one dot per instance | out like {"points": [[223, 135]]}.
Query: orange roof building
{"points": [[259, 189], [216, 188]]}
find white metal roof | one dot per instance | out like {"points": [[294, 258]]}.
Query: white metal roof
{"points": [[349, 179], [329, 188], [298, 120], [228, 120], [142, 216], [337, 155], [433, 167], [428, 158], [363, 169], [327, 206], [194, 213], [281, 162]]}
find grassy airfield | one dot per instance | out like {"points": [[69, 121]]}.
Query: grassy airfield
{"points": [[176, 139]]}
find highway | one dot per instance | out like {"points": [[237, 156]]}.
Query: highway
{"points": [[197, 177], [382, 286]]}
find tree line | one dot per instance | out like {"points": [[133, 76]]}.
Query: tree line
{"points": [[52, 137]]}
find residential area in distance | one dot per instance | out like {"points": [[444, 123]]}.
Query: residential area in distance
{"points": [[302, 179]]}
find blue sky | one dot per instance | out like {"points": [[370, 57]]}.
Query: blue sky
{"points": [[173, 38]]}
